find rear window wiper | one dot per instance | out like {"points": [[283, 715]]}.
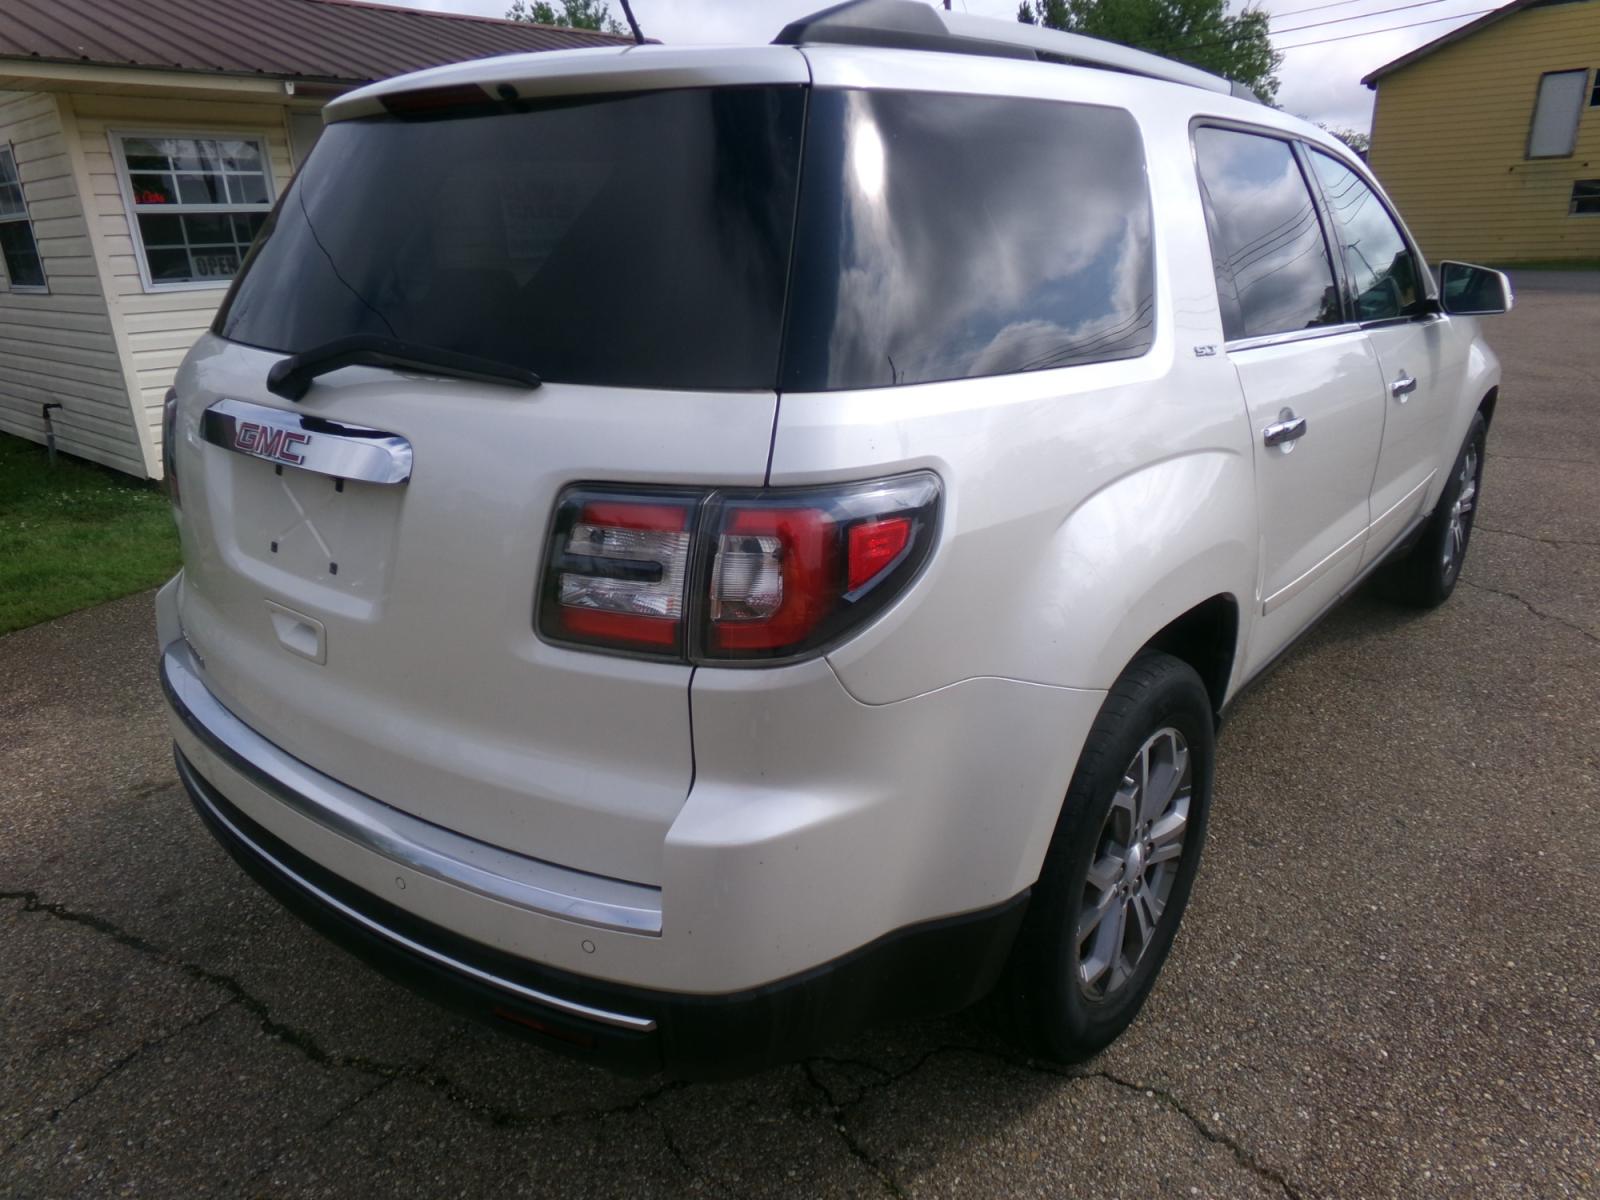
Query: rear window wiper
{"points": [[291, 377]]}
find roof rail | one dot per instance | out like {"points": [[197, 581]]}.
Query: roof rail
{"points": [[911, 25]]}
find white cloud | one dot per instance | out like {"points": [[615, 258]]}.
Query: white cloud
{"points": [[1322, 82]]}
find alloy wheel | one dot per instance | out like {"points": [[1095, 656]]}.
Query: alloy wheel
{"points": [[1135, 864], [1455, 544]]}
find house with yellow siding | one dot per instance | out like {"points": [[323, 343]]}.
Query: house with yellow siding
{"points": [[1488, 138], [142, 146]]}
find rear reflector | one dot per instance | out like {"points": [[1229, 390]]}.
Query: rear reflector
{"points": [[770, 574]]}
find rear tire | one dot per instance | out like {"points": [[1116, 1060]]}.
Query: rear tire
{"points": [[1426, 576], [1120, 866]]}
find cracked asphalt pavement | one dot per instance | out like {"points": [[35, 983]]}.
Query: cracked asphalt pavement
{"points": [[1386, 984]]}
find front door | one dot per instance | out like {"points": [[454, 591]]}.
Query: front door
{"points": [[1310, 379], [1418, 374]]}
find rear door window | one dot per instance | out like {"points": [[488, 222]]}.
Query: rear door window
{"points": [[1274, 273], [633, 240], [1384, 279], [949, 236]]}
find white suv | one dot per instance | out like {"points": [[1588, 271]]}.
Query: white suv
{"points": [[688, 552]]}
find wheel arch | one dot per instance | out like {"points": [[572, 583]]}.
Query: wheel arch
{"points": [[1207, 638], [1486, 406]]}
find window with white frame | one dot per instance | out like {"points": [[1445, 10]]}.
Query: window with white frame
{"points": [[1556, 109], [195, 203], [24, 268]]}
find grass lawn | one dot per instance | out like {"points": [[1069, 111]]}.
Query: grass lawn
{"points": [[75, 535]]}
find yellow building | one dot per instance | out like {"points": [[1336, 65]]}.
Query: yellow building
{"points": [[1489, 137]]}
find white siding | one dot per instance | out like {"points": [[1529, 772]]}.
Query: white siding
{"points": [[157, 327], [59, 347]]}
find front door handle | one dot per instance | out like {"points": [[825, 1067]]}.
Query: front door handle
{"points": [[1402, 387], [1287, 428]]}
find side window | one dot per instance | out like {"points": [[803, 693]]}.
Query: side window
{"points": [[1382, 270], [950, 236], [1271, 260], [24, 268]]}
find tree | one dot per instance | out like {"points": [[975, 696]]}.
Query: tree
{"points": [[574, 14], [1354, 138], [1201, 33]]}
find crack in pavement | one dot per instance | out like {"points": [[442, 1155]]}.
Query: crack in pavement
{"points": [[422, 1074], [1169, 1099], [1538, 612], [1576, 462], [430, 1077], [837, 1113], [1534, 537], [114, 1069]]}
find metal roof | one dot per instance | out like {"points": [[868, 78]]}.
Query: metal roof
{"points": [[334, 40]]}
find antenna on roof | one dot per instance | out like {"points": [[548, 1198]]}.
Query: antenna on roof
{"points": [[627, 11]]}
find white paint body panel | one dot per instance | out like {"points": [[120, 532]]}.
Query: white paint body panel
{"points": [[790, 815]]}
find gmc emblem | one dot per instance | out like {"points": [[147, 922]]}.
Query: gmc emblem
{"points": [[263, 441]]}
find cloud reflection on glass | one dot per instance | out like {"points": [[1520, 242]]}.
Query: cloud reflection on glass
{"points": [[944, 237]]}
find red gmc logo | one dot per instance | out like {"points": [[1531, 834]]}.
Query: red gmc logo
{"points": [[265, 442]]}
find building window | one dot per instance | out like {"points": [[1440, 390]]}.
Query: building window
{"points": [[1585, 198], [1594, 96], [24, 269], [1554, 131], [195, 204]]}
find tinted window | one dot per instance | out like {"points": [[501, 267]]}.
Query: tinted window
{"points": [[1273, 270], [942, 237], [629, 240], [1380, 266]]}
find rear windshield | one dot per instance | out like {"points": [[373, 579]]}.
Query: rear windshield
{"points": [[645, 240], [636, 240]]}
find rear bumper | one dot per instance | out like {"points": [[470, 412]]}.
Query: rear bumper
{"points": [[934, 967]]}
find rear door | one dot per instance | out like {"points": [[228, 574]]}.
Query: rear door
{"points": [[1310, 378], [1387, 283], [631, 250]]}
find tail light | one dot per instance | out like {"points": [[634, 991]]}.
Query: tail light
{"points": [[169, 447], [770, 574]]}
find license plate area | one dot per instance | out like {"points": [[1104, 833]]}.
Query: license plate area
{"points": [[334, 533]]}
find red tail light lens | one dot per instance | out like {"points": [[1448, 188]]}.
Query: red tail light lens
{"points": [[771, 574], [618, 563]]}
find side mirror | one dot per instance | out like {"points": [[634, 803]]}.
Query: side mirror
{"points": [[1468, 291]]}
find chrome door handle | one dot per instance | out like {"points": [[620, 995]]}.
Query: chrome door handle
{"points": [[1285, 430], [1402, 387]]}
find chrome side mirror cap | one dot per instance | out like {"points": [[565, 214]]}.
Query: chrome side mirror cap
{"points": [[1469, 291]]}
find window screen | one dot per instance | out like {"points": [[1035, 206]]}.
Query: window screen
{"points": [[1271, 261], [1382, 271], [1555, 114], [947, 236], [24, 268]]}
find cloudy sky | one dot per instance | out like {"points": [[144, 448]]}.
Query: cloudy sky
{"points": [[1321, 81]]}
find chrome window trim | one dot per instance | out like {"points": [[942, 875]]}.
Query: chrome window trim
{"points": [[321, 446], [1316, 332], [430, 850], [604, 1016]]}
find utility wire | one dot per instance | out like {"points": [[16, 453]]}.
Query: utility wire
{"points": [[1388, 29], [1380, 12]]}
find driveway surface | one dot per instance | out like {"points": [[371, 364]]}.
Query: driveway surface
{"points": [[1386, 985]]}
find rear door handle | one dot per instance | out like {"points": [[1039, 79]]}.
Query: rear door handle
{"points": [[1402, 387], [1287, 429]]}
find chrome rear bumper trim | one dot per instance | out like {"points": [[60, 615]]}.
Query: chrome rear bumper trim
{"points": [[619, 1020], [442, 854]]}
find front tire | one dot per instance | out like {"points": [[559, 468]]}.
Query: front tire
{"points": [[1427, 575], [1120, 866]]}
